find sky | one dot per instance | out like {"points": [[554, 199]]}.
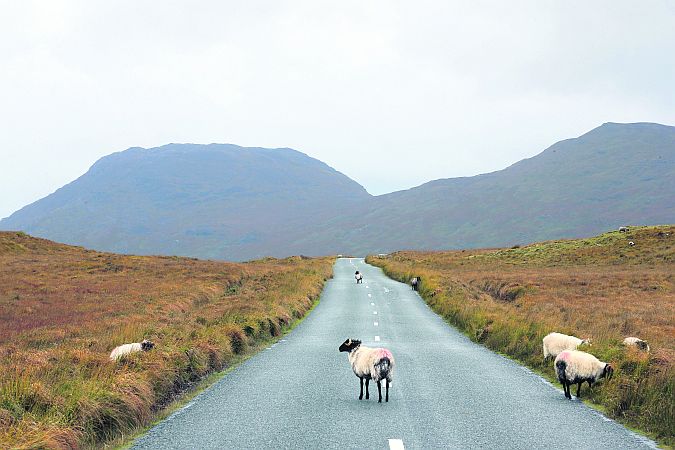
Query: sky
{"points": [[391, 93]]}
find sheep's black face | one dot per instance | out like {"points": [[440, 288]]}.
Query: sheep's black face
{"points": [[608, 371], [147, 345], [349, 345]]}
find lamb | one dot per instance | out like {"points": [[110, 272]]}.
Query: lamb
{"points": [[415, 283], [370, 363], [636, 342], [126, 349], [359, 277], [554, 343], [575, 367], [623, 230]]}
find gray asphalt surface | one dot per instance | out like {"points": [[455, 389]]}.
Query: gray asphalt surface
{"points": [[447, 392]]}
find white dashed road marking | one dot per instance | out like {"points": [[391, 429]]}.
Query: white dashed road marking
{"points": [[372, 304], [374, 312], [377, 338], [396, 444], [369, 295], [386, 290], [376, 323]]}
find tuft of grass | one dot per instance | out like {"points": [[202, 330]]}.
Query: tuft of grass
{"points": [[600, 287], [65, 308]]}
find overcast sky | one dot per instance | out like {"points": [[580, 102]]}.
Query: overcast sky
{"points": [[390, 93]]}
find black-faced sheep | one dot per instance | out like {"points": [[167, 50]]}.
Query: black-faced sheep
{"points": [[636, 342], [623, 230], [554, 343], [375, 364], [127, 349], [575, 367], [359, 277], [415, 283]]}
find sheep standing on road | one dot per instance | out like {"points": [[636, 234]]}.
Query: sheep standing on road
{"points": [[359, 277], [127, 349], [370, 364], [554, 343], [636, 342], [415, 283], [575, 367]]}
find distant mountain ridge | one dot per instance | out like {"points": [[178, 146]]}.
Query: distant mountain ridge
{"points": [[228, 202]]}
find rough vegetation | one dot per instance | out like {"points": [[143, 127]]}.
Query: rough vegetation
{"points": [[63, 309], [601, 287]]}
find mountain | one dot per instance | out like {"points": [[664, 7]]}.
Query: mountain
{"points": [[613, 175], [229, 202], [213, 201]]}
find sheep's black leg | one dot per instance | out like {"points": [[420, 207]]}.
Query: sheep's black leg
{"points": [[361, 396], [367, 391], [379, 390], [579, 388], [566, 389], [387, 390]]}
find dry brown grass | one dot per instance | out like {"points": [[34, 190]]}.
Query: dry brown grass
{"points": [[63, 309], [601, 287]]}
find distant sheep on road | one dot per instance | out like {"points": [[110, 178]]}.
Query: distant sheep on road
{"points": [[415, 283], [127, 349], [359, 277]]}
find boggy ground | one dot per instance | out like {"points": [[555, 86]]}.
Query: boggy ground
{"points": [[601, 287], [63, 309]]}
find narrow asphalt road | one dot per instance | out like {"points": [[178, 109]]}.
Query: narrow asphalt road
{"points": [[447, 392]]}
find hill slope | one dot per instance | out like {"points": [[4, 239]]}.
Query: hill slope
{"points": [[223, 201], [215, 201], [616, 174]]}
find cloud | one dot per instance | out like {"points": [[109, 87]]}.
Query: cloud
{"points": [[391, 93]]}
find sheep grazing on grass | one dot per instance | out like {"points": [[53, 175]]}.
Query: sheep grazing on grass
{"points": [[359, 277], [636, 342], [575, 367], [623, 229], [415, 283], [554, 343], [375, 364], [127, 349]]}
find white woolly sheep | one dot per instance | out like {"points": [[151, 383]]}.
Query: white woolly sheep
{"points": [[127, 349], [359, 277], [415, 283], [636, 342], [624, 229], [575, 367], [370, 363], [631, 243], [554, 343]]}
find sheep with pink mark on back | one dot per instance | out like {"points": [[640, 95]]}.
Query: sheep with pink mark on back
{"points": [[577, 367], [375, 364]]}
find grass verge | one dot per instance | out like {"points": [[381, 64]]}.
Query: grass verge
{"points": [[601, 287]]}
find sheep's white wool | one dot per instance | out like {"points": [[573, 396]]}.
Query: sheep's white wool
{"points": [[580, 365], [125, 349], [636, 342], [363, 360], [554, 343]]}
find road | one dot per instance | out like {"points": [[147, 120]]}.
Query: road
{"points": [[447, 392]]}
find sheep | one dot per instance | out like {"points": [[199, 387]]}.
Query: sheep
{"points": [[554, 343], [370, 363], [126, 349], [636, 342], [623, 230], [359, 277], [575, 367], [631, 243], [415, 283]]}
